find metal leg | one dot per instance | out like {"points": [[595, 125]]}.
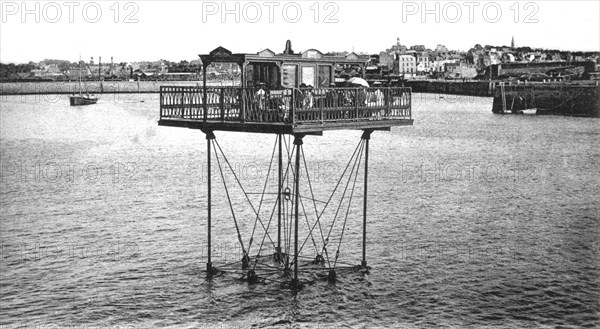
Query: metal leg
{"points": [[366, 136], [278, 251], [298, 142], [209, 137]]}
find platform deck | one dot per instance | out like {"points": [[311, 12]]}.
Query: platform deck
{"points": [[289, 111]]}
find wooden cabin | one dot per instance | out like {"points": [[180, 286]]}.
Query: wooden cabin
{"points": [[277, 71]]}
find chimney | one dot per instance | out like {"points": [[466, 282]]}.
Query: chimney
{"points": [[288, 48]]}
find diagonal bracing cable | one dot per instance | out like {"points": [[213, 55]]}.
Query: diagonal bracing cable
{"points": [[314, 204], [319, 216], [262, 242], [262, 198], [237, 228], [288, 214], [361, 146], [310, 235], [270, 218], [337, 253], [243, 190], [308, 225]]}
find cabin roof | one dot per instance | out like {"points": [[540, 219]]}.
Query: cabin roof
{"points": [[223, 55]]}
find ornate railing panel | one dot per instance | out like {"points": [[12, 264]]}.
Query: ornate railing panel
{"points": [[292, 106]]}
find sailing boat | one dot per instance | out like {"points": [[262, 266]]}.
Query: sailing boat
{"points": [[81, 99]]}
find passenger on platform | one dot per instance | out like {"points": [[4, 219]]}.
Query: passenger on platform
{"points": [[376, 98], [261, 96], [361, 96], [308, 97]]}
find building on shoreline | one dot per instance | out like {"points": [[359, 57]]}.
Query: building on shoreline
{"points": [[406, 66]]}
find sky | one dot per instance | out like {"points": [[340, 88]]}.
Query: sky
{"points": [[180, 30]]}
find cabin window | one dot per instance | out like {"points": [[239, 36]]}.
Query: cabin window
{"points": [[262, 74], [250, 75], [308, 75], [324, 79], [290, 73]]}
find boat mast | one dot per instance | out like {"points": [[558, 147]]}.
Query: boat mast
{"points": [[80, 73]]}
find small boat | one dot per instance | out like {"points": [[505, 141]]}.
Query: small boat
{"points": [[82, 100]]}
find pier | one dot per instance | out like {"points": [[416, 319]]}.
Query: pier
{"points": [[481, 88], [289, 96], [548, 98]]}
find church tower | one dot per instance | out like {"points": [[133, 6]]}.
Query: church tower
{"points": [[512, 42]]}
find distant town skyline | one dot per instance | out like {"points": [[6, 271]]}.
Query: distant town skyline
{"points": [[106, 60], [180, 30]]}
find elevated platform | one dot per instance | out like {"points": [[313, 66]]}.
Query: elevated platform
{"points": [[287, 111], [276, 97]]}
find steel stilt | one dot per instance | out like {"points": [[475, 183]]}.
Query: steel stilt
{"points": [[366, 136], [298, 142], [279, 196], [209, 138]]}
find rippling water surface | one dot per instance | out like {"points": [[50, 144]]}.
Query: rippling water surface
{"points": [[475, 219]]}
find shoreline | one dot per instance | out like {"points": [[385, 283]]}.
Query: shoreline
{"points": [[95, 87], [444, 87]]}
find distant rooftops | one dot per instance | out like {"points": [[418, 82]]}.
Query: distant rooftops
{"points": [[222, 54]]}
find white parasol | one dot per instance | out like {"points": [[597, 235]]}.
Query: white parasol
{"points": [[359, 81]]}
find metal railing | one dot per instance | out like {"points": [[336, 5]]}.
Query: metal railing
{"points": [[290, 106]]}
